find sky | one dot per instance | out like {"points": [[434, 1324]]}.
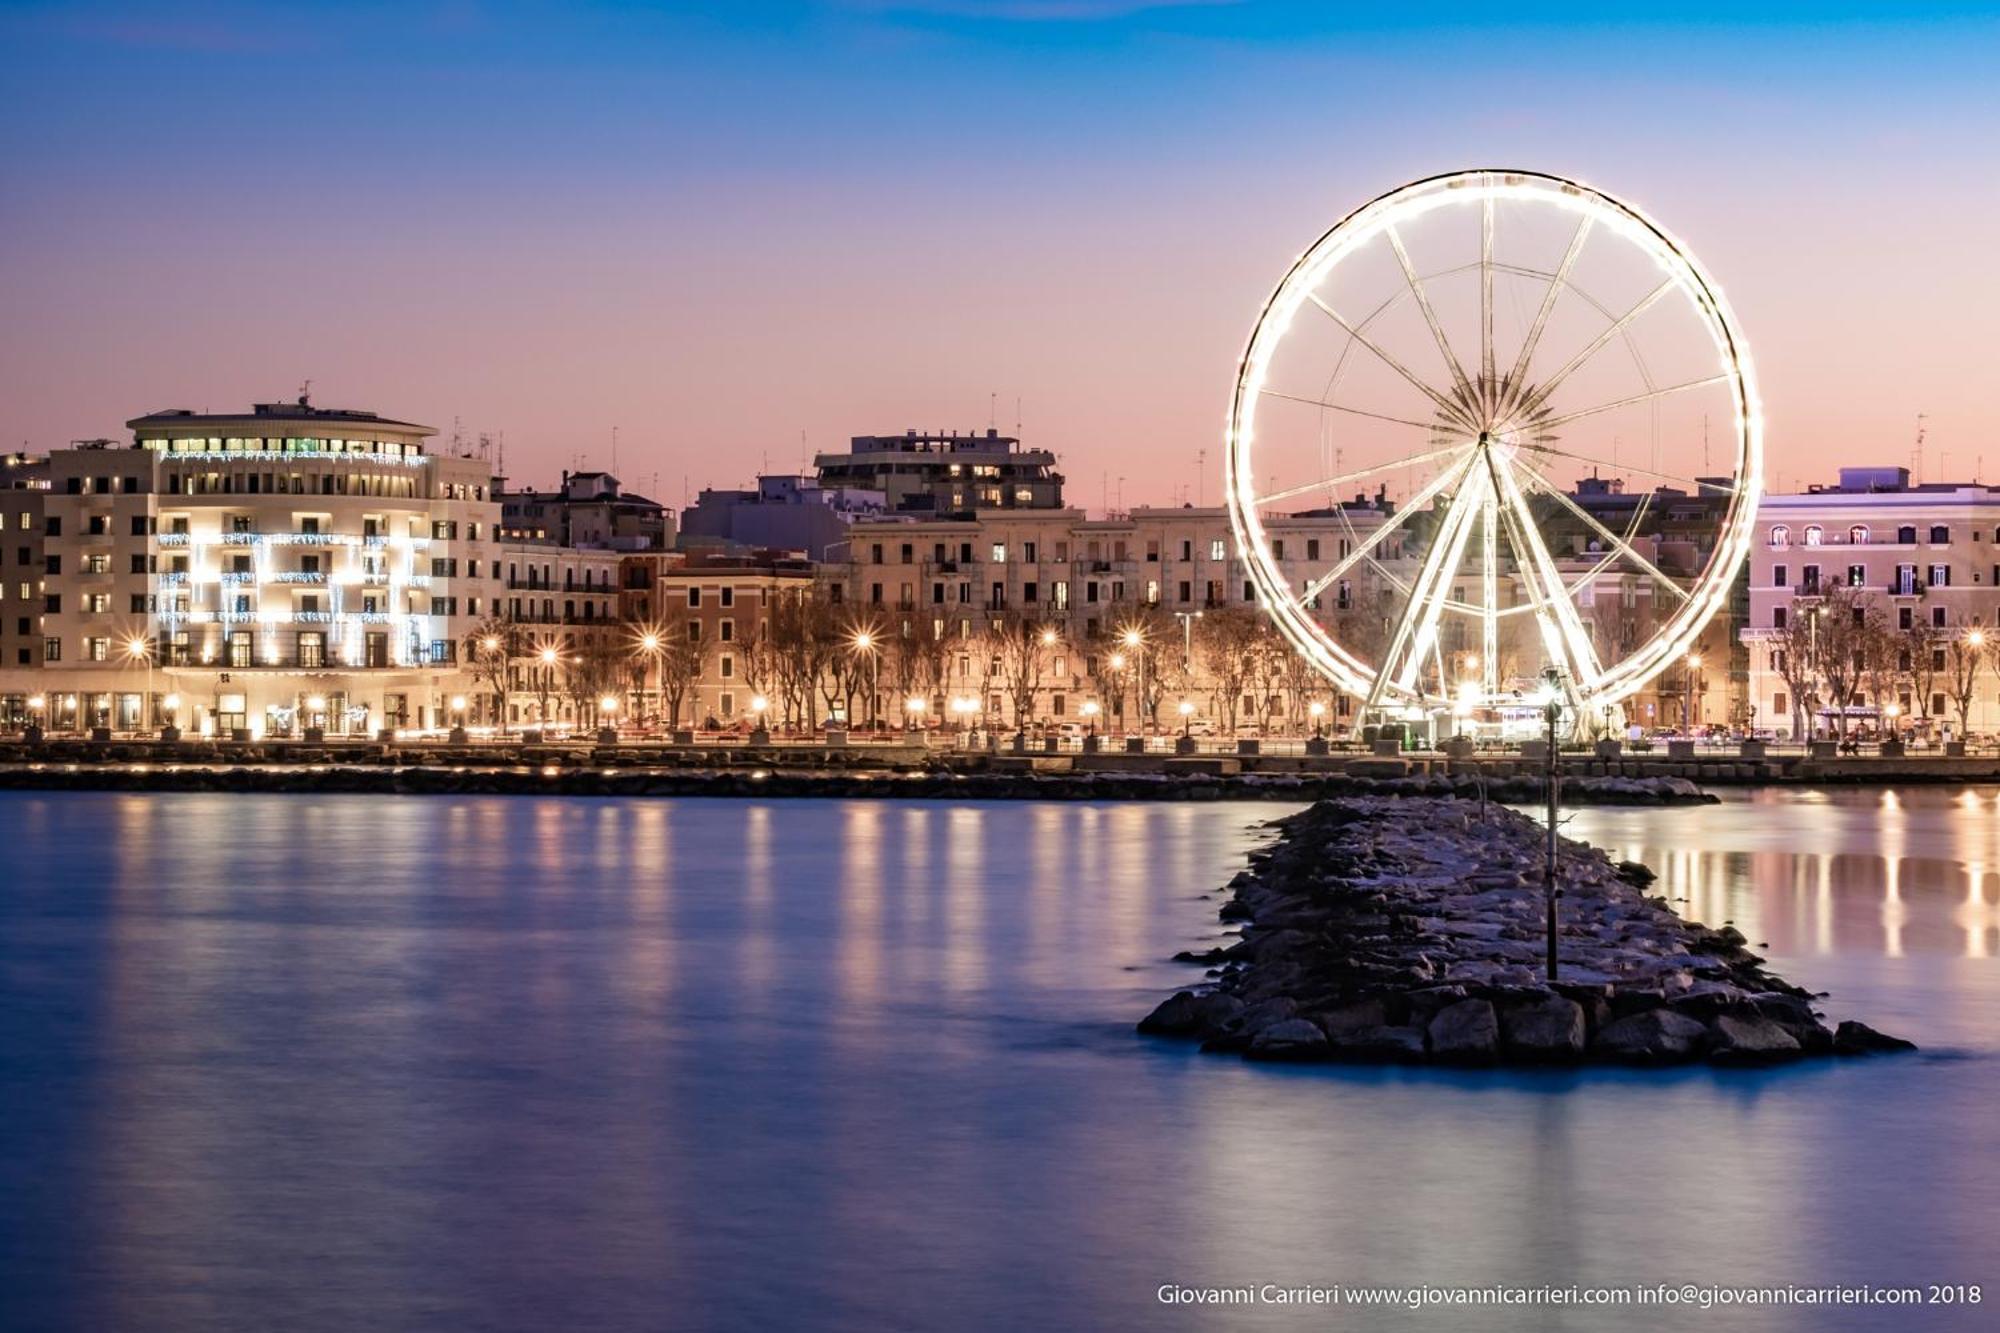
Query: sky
{"points": [[732, 232]]}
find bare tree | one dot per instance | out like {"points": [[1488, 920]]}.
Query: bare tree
{"points": [[489, 651], [1021, 643], [1837, 642], [1922, 640], [682, 659], [1964, 658], [1226, 644], [1792, 659]]}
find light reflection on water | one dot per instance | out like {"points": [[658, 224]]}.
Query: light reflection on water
{"points": [[532, 1062]]}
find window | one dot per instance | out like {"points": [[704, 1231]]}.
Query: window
{"points": [[1781, 705], [52, 650], [728, 595], [1814, 534], [694, 596], [1781, 576], [1278, 549], [999, 556], [1858, 534], [1940, 576], [1810, 576], [1777, 617], [96, 650], [1905, 618], [1906, 535], [1857, 575], [1781, 537], [1940, 535], [1215, 549], [1937, 619], [1028, 551]]}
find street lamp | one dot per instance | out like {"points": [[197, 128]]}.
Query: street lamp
{"points": [[1187, 720], [913, 712], [139, 646], [1318, 711], [864, 642], [1136, 641], [1090, 711], [649, 650]]}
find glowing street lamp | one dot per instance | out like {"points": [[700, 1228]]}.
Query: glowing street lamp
{"points": [[1187, 719], [1318, 711], [913, 712], [1090, 711], [759, 705]]}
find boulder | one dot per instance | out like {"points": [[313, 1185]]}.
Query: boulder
{"points": [[1852, 1038], [1190, 1015], [1466, 1033], [1289, 1039], [1393, 1044], [1734, 1040], [1551, 1029], [1372, 1012], [1651, 1036]]}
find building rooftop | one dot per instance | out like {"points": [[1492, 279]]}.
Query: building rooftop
{"points": [[299, 410]]}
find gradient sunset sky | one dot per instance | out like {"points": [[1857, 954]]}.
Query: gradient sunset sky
{"points": [[719, 227]]}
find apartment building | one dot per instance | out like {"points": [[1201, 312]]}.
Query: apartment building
{"points": [[1921, 556]]}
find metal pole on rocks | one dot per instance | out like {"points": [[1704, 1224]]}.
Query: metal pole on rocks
{"points": [[1552, 711]]}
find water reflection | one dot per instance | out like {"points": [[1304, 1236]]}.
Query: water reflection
{"points": [[514, 1063]]}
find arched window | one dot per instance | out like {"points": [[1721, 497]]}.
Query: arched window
{"points": [[1781, 536], [1858, 534], [1813, 534]]}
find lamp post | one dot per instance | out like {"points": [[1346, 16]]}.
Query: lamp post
{"points": [[36, 703], [1090, 710], [607, 719], [1187, 720], [864, 643], [759, 733], [1187, 619], [1136, 641], [550, 657], [489, 646], [139, 646], [649, 655], [1318, 712], [1552, 713], [1118, 671], [913, 713], [1692, 665]]}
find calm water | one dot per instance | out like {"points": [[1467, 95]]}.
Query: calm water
{"points": [[511, 1063]]}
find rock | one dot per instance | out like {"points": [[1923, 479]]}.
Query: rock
{"points": [[1289, 1039], [1174, 1016], [1549, 1030], [1466, 1033], [1736, 1040], [1852, 1038], [1190, 1015], [1392, 1044], [1651, 1036], [1356, 1014]]}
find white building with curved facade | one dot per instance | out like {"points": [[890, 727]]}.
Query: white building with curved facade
{"points": [[255, 574]]}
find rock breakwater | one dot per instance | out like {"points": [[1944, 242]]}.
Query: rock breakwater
{"points": [[1413, 929]]}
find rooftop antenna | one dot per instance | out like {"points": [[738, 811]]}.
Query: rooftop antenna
{"points": [[1917, 452], [614, 451], [1200, 476], [305, 393], [803, 454], [992, 411], [1017, 414]]}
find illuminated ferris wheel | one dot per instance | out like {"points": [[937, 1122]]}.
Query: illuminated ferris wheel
{"points": [[1533, 422]]}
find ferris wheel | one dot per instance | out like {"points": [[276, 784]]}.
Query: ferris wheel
{"points": [[1531, 419]]}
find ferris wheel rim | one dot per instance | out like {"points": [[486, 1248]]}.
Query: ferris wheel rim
{"points": [[1710, 586]]}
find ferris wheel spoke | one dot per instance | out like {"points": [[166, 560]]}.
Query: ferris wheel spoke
{"points": [[1419, 498], [1612, 465], [1487, 396], [1417, 624], [1324, 483], [1618, 544], [1563, 633], [1552, 422], [1445, 404], [1351, 411], [1430, 314], [1593, 347], [1489, 586], [1557, 281]]}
